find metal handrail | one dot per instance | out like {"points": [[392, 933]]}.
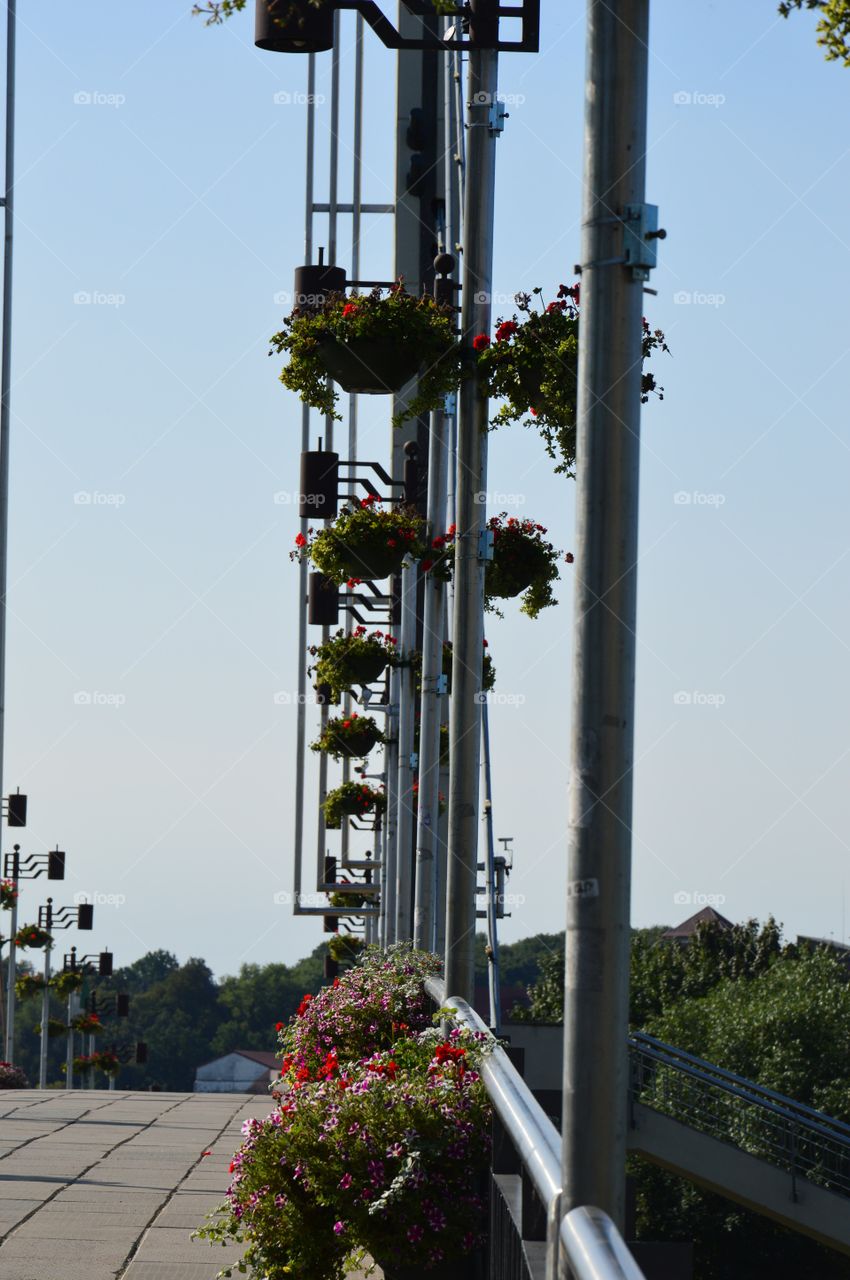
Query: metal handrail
{"points": [[740, 1085], [594, 1248]]}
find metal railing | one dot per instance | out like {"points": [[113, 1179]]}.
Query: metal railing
{"points": [[759, 1121], [590, 1243]]}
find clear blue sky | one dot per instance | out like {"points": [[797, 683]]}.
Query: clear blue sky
{"points": [[172, 192]]}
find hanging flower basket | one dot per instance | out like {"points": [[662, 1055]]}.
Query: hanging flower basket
{"points": [[68, 981], [28, 986], [353, 800], [374, 344], [12, 1077], [8, 894], [55, 1028], [488, 671], [88, 1023], [532, 368], [364, 543], [344, 661], [349, 737], [523, 563], [32, 935], [345, 947]]}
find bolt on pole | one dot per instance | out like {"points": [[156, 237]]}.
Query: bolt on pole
{"points": [[608, 424], [468, 623]]}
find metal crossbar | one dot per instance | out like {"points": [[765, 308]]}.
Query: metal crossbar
{"points": [[805, 1142], [585, 1238]]}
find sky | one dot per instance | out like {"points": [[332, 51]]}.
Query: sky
{"points": [[159, 216]]}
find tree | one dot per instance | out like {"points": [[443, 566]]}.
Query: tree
{"points": [[833, 29]]}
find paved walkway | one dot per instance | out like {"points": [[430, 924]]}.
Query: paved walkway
{"points": [[98, 1185]]}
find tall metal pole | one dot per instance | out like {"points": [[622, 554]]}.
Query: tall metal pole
{"points": [[491, 883], [6, 360], [600, 811], [69, 1058], [45, 1001], [406, 825], [468, 623], [9, 1049]]}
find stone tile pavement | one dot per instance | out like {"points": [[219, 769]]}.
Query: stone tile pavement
{"points": [[100, 1185]]}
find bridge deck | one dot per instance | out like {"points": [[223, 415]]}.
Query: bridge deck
{"points": [[101, 1185]]}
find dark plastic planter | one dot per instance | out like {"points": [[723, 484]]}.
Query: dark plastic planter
{"points": [[365, 669], [374, 563], [355, 745], [505, 583], [369, 366]]}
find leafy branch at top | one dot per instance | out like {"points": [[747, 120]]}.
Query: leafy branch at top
{"points": [[833, 25]]}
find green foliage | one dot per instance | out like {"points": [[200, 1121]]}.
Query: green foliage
{"points": [[352, 799], [523, 563], [343, 659], [362, 536], [833, 29], [348, 737], [408, 323], [28, 986], [32, 935], [532, 368], [67, 981]]}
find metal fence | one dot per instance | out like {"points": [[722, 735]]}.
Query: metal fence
{"points": [[585, 1241], [787, 1134]]}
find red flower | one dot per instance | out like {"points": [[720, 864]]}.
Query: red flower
{"points": [[438, 543], [426, 565], [557, 306], [353, 582], [569, 557], [481, 342], [391, 542], [302, 1008], [369, 500], [506, 330], [350, 309], [300, 540]]}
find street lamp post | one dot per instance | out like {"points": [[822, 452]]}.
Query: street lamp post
{"points": [[16, 868], [49, 919]]}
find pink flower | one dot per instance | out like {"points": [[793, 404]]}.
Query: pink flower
{"points": [[339, 1228]]}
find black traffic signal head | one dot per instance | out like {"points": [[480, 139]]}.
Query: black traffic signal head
{"points": [[122, 1005], [56, 864], [141, 1052], [85, 915], [17, 810], [293, 26], [104, 967]]}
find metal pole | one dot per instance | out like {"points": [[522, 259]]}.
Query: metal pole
{"points": [[490, 883], [45, 1004], [427, 827], [9, 1048], [303, 568], [6, 361], [388, 897], [468, 624], [69, 1060], [405, 825], [600, 810]]}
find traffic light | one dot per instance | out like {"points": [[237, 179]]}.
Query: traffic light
{"points": [[122, 1005], [141, 1052], [104, 967], [85, 915], [293, 26], [418, 139]]}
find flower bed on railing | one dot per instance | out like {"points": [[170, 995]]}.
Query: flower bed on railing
{"points": [[379, 1140]]}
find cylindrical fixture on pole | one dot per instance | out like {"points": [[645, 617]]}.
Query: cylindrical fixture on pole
{"points": [[600, 809], [293, 26], [322, 601], [45, 1015], [318, 497], [9, 1048], [491, 883], [471, 482], [69, 1058], [405, 825]]}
